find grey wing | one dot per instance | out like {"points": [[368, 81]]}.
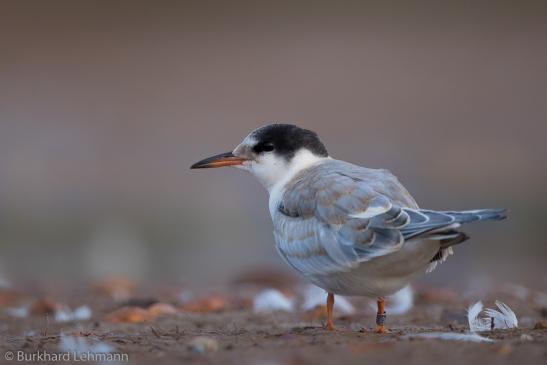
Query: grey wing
{"points": [[441, 224], [337, 215]]}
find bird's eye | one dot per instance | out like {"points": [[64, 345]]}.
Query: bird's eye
{"points": [[263, 147], [268, 147]]}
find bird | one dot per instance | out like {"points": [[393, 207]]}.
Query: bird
{"points": [[350, 230]]}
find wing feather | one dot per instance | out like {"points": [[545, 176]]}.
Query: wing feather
{"points": [[336, 215]]}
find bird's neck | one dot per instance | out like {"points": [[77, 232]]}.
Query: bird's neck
{"points": [[301, 161]]}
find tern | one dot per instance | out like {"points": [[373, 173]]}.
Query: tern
{"points": [[348, 229]]}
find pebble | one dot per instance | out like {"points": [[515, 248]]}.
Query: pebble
{"points": [[203, 344], [161, 309], [129, 315], [526, 337], [541, 325]]}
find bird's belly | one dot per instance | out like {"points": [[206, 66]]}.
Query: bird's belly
{"points": [[383, 275]]}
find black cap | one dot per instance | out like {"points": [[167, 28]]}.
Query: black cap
{"points": [[286, 139]]}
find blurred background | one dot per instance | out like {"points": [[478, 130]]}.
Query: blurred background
{"points": [[104, 105]]}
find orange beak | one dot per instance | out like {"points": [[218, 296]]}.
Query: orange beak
{"points": [[224, 159]]}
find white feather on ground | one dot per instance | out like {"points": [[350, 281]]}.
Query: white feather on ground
{"points": [[451, 336], [493, 319], [271, 300], [82, 345], [19, 312], [65, 314], [398, 303], [315, 296], [504, 318], [477, 324], [500, 319]]}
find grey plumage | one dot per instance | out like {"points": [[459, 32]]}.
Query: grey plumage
{"points": [[335, 216]]}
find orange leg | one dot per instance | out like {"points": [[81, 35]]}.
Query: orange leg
{"points": [[330, 305], [380, 317]]}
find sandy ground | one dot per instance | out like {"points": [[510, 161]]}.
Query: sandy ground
{"points": [[241, 337]]}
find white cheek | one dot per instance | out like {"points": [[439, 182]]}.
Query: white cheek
{"points": [[268, 169], [274, 172]]}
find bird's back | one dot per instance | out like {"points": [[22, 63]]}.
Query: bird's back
{"points": [[333, 179]]}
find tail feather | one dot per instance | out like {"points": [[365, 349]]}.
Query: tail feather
{"points": [[479, 215], [446, 246], [442, 223]]}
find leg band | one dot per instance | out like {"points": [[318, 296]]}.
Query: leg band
{"points": [[381, 319]]}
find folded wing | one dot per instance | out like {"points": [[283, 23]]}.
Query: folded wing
{"points": [[336, 215]]}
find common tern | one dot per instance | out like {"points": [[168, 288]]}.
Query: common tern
{"points": [[348, 229]]}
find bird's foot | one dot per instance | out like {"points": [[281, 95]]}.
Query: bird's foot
{"points": [[330, 326], [381, 329]]}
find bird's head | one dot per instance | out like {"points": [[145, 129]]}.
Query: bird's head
{"points": [[272, 153]]}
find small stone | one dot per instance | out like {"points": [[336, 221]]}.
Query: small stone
{"points": [[541, 325], [526, 337], [161, 309], [211, 304], [129, 315], [203, 344]]}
